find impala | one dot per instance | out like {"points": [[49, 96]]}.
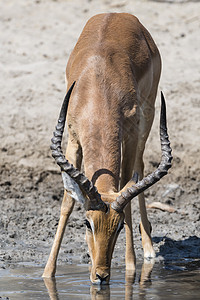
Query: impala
{"points": [[113, 74]]}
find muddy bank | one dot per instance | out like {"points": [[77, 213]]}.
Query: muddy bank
{"points": [[37, 38]]}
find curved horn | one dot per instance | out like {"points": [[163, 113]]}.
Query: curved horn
{"points": [[84, 183], [122, 200]]}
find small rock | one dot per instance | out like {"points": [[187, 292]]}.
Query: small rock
{"points": [[12, 235]]}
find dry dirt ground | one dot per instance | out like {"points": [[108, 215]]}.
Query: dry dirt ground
{"points": [[36, 39]]}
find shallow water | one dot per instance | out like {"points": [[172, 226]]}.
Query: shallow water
{"points": [[171, 280]]}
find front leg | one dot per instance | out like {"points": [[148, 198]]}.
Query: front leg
{"points": [[74, 154], [130, 253], [66, 209], [145, 229]]}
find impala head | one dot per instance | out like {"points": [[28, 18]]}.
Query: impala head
{"points": [[102, 231], [104, 213]]}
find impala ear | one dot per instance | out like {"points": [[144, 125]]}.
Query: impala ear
{"points": [[73, 188]]}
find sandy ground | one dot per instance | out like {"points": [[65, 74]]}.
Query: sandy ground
{"points": [[36, 39]]}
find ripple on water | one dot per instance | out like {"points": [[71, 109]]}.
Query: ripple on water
{"points": [[166, 280]]}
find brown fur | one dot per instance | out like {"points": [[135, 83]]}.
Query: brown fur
{"points": [[116, 66]]}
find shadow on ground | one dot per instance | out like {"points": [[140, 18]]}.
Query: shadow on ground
{"points": [[186, 252]]}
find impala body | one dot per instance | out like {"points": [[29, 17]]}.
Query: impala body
{"points": [[113, 74]]}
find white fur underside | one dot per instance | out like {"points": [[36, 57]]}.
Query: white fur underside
{"points": [[72, 188]]}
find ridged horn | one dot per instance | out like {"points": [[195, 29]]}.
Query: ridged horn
{"points": [[131, 192], [95, 202]]}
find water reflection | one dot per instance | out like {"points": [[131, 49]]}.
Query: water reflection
{"points": [[50, 284], [168, 279], [102, 292]]}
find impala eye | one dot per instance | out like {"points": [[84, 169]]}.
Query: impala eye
{"points": [[87, 223]]}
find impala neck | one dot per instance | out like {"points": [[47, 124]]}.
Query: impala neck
{"points": [[102, 164], [101, 147]]}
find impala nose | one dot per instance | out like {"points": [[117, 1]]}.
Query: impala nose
{"points": [[102, 278]]}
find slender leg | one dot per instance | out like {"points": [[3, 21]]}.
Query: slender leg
{"points": [[144, 225], [127, 172], [66, 209], [73, 154], [145, 230], [146, 121], [130, 253]]}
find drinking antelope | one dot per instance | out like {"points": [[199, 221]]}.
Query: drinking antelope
{"points": [[113, 74]]}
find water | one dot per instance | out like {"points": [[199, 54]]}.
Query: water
{"points": [[171, 280]]}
